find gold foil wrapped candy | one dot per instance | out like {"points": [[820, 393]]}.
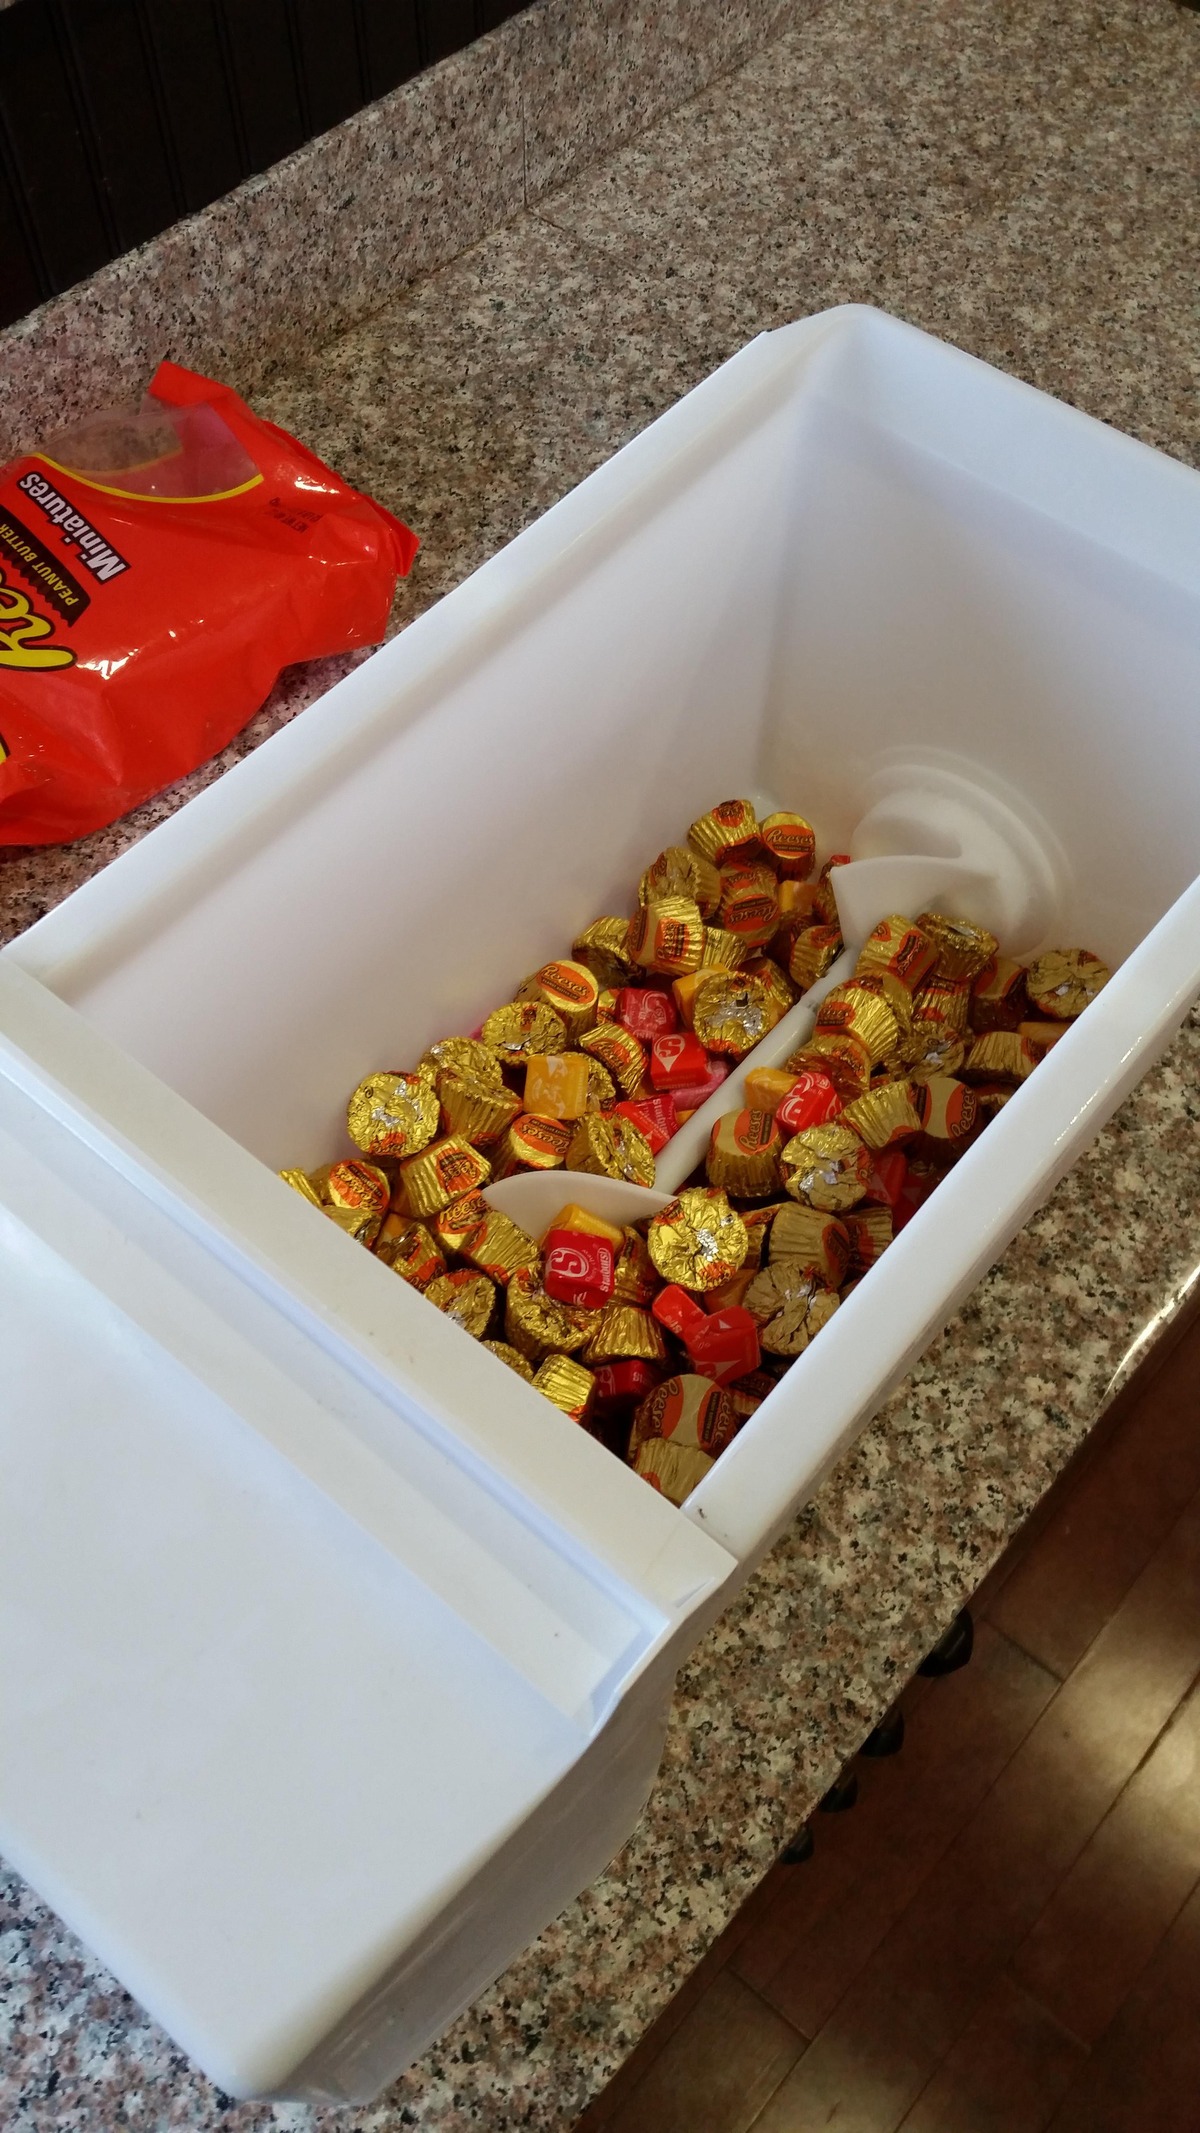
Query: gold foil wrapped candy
{"points": [[790, 844], [842, 1060], [673, 1469], [1003, 1055], [945, 1000], [566, 1384], [687, 1411], [523, 1027], [571, 989], [467, 1298], [511, 1358], [625, 1332], [724, 951], [727, 832], [962, 948], [679, 871], [467, 1056], [499, 1247], [697, 1240], [819, 1241], [790, 1305], [743, 1154], [813, 951], [1065, 981], [869, 1230], [536, 1324], [410, 1251], [749, 903], [634, 1278], [733, 1014], [758, 1222], [950, 1116], [777, 981], [936, 1048], [667, 936], [610, 1146], [885, 1117], [441, 1173], [897, 948], [300, 1182], [855, 1010], [618, 1051], [533, 1143], [826, 1167], [603, 947], [998, 995], [392, 1114], [480, 1112]]}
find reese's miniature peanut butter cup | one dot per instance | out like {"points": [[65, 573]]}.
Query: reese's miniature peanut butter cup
{"points": [[452, 1225], [949, 1116], [686, 1410], [618, 1051], [749, 903], [789, 1304], [511, 1358], [679, 871], [814, 951], [721, 950], [840, 1058], [869, 1230], [777, 981], [743, 1154], [634, 1278], [899, 949], [732, 1014], [603, 948], [673, 1469], [962, 948], [536, 1324], [1064, 981], [300, 1182], [998, 996], [1041, 1037], [469, 1299], [817, 1240], [697, 1240], [1003, 1055], [826, 1167], [790, 844], [825, 904], [523, 1027], [727, 832], [857, 1011], [667, 936], [611, 1147], [478, 1111], [351, 1183], [759, 1222], [602, 1089], [467, 1056], [936, 1048], [499, 1247], [441, 1173], [566, 1384], [392, 1114], [410, 1251], [571, 989], [361, 1223], [533, 1143], [626, 1332], [884, 1117]]}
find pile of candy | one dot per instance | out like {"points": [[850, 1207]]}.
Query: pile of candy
{"points": [[663, 1337]]}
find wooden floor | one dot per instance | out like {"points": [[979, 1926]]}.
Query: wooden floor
{"points": [[1004, 1933]]}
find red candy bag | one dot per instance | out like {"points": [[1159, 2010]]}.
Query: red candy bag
{"points": [[157, 570]]}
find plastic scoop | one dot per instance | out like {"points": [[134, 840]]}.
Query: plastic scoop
{"points": [[534, 1197]]}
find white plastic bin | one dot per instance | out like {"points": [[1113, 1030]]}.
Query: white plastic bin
{"points": [[333, 1661]]}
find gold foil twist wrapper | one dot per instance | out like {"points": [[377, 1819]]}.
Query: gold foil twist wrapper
{"points": [[673, 1469], [625, 1332], [475, 1110], [536, 1324], [720, 950], [1064, 981], [511, 1358], [962, 948], [441, 1173], [610, 1146], [897, 948], [567, 1385], [698, 1240], [937, 1048], [392, 1114], [571, 989], [523, 1027], [1003, 1055], [813, 952], [667, 936], [820, 1242], [635, 1280], [465, 1056], [361, 1223], [679, 871], [886, 1117], [410, 1251], [827, 1167], [790, 1306], [856, 1011], [743, 1154], [790, 844], [619, 1051], [469, 1299], [688, 1411], [603, 947], [843, 1061], [533, 1143], [869, 1230], [749, 903], [728, 831], [733, 1014]]}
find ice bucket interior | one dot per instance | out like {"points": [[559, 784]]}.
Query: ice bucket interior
{"points": [[832, 578]]}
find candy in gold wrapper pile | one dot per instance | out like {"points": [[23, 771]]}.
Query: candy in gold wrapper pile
{"points": [[662, 1338]]}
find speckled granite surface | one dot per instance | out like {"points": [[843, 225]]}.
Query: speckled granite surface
{"points": [[1020, 178]]}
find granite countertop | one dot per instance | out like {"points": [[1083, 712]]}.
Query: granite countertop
{"points": [[1022, 180]]}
